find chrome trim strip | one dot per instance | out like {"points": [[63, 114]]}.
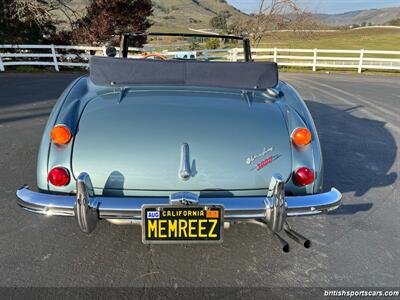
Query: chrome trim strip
{"points": [[274, 92], [130, 207]]}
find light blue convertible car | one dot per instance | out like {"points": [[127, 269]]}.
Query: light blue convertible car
{"points": [[182, 147]]}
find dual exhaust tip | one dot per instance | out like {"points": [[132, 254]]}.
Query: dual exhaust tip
{"points": [[294, 235], [275, 215]]}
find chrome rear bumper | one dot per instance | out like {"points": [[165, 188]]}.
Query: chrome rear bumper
{"points": [[274, 208], [131, 207]]}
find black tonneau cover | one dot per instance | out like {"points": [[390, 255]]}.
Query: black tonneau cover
{"points": [[240, 75]]}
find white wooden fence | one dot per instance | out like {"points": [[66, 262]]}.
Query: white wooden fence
{"points": [[325, 58], [77, 56]]}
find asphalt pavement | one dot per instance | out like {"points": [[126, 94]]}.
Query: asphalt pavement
{"points": [[358, 245]]}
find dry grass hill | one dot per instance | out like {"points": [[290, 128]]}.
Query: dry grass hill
{"points": [[179, 15]]}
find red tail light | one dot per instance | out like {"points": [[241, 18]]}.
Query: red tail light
{"points": [[58, 176], [303, 176]]}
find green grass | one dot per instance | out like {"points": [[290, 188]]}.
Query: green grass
{"points": [[42, 69], [368, 39], [29, 69]]}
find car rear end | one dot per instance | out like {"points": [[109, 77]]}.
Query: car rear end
{"points": [[181, 160]]}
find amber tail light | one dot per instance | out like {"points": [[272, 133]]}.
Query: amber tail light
{"points": [[60, 134], [301, 136]]}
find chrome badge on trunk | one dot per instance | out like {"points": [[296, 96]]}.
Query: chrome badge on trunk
{"points": [[252, 158]]}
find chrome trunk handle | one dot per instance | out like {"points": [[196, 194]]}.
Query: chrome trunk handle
{"points": [[184, 172]]}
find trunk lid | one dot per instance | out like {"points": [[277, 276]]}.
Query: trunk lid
{"points": [[136, 144]]}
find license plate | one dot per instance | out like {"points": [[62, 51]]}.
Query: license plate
{"points": [[182, 224]]}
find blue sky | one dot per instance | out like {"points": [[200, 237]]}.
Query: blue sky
{"points": [[324, 6]]}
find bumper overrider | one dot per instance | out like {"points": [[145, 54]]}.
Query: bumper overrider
{"points": [[88, 209]]}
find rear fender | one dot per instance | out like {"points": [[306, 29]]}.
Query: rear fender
{"points": [[67, 96], [66, 111], [298, 115]]}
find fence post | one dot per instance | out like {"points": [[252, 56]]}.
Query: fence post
{"points": [[230, 55], [275, 55], [235, 54], [53, 51], [314, 67], [361, 61], [1, 65], [205, 54]]}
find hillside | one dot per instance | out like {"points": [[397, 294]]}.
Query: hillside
{"points": [[374, 16], [190, 13], [178, 15]]}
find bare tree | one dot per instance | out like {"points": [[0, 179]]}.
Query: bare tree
{"points": [[34, 11], [274, 15], [24, 21], [41, 12]]}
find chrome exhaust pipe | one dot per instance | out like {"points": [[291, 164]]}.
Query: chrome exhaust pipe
{"points": [[297, 237], [281, 242]]}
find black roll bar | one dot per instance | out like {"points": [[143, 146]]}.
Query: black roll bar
{"points": [[126, 37]]}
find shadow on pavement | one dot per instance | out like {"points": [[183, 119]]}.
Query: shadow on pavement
{"points": [[358, 152]]}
